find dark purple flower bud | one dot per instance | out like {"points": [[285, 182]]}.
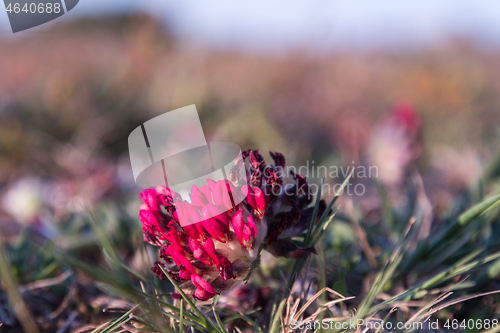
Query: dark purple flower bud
{"points": [[287, 249], [279, 159]]}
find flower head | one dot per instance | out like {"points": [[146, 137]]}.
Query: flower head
{"points": [[208, 242]]}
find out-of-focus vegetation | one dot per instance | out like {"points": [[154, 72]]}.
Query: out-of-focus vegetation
{"points": [[70, 97]]}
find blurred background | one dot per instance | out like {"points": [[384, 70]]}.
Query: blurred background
{"points": [[335, 83], [411, 87]]}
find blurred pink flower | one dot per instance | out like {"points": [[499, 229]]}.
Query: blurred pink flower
{"points": [[395, 143]]}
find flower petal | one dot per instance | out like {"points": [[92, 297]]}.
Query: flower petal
{"points": [[252, 227], [238, 224], [202, 294], [207, 193], [197, 197], [150, 198], [184, 262], [213, 226], [225, 267], [209, 247], [216, 191], [261, 200], [185, 274], [200, 283], [195, 216], [247, 236], [199, 252], [204, 290], [250, 196]]}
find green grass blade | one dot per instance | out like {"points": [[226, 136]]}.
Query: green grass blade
{"points": [[307, 239], [245, 318], [119, 263], [219, 321], [118, 322], [337, 195], [181, 317], [186, 298]]}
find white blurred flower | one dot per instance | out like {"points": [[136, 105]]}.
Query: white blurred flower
{"points": [[23, 200], [390, 151]]}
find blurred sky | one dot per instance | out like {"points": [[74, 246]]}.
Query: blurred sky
{"points": [[318, 24]]}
